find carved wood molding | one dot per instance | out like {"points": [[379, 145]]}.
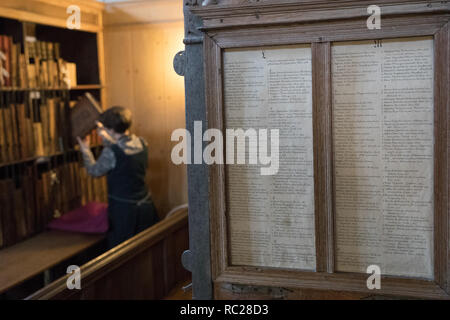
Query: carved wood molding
{"points": [[251, 13]]}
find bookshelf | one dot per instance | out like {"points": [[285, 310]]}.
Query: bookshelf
{"points": [[41, 173]]}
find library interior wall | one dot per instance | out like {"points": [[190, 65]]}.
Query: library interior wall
{"points": [[139, 75]]}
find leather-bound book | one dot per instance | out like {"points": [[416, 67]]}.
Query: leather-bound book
{"points": [[10, 231], [29, 193], [3, 152], [23, 133], [15, 132], [8, 131], [83, 116], [7, 43], [2, 242], [19, 213]]}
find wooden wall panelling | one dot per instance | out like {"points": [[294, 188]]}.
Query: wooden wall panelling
{"points": [[118, 68], [139, 12], [140, 75], [174, 103], [149, 108]]}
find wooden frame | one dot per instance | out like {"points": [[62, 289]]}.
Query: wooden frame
{"points": [[319, 23]]}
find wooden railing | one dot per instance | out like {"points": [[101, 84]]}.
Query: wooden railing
{"points": [[146, 266]]}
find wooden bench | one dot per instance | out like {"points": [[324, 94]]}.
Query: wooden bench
{"points": [[33, 256], [147, 266]]}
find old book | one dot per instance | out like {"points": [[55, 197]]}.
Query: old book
{"points": [[84, 186], [46, 197], [53, 74], [45, 127], [50, 57], [43, 46], [65, 188], [23, 140], [28, 186], [71, 74], [4, 211], [64, 125], [7, 43], [37, 130], [10, 231], [19, 213], [14, 132], [57, 190], [32, 75], [1, 222], [30, 49], [76, 171], [2, 62], [40, 202], [15, 62], [45, 79], [8, 132], [14, 65], [83, 116], [23, 77], [37, 50], [29, 133], [57, 50], [53, 141], [73, 186], [90, 191], [3, 157], [62, 72]]}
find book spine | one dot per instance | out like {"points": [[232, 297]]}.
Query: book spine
{"points": [[3, 153], [23, 141], [14, 65], [29, 132], [14, 132], [8, 130], [7, 41], [19, 213], [11, 231], [2, 214], [3, 58]]}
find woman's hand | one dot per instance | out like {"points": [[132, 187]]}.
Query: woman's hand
{"points": [[85, 143]]}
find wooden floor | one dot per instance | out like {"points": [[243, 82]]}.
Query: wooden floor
{"points": [[26, 259], [179, 294]]}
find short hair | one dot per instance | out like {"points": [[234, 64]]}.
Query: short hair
{"points": [[116, 118]]}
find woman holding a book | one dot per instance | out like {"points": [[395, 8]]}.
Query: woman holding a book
{"points": [[124, 161]]}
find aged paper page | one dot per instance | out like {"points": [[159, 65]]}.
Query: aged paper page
{"points": [[271, 218], [383, 155]]}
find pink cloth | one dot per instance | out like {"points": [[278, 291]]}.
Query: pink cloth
{"points": [[91, 218]]}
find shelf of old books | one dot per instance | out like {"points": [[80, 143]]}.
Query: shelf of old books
{"points": [[43, 72]]}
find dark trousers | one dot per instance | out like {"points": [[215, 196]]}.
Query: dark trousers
{"points": [[127, 220]]}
